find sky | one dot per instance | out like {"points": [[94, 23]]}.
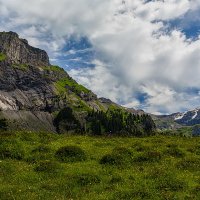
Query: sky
{"points": [[139, 53]]}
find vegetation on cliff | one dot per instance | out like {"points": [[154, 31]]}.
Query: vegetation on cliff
{"points": [[2, 57]]}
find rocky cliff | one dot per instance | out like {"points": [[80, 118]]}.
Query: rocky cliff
{"points": [[32, 91], [19, 52], [37, 96]]}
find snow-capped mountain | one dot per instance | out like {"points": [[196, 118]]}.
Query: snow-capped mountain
{"points": [[178, 120], [188, 118]]}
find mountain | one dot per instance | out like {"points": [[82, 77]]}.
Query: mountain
{"points": [[188, 121], [188, 118], [32, 91], [37, 96]]}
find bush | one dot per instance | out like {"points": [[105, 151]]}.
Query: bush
{"points": [[70, 154], [3, 124], [47, 166], [11, 148]]}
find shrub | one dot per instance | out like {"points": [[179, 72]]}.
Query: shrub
{"points": [[3, 124], [10, 148], [70, 154], [47, 166]]}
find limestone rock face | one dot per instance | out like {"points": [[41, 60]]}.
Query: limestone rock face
{"points": [[31, 88], [18, 51]]}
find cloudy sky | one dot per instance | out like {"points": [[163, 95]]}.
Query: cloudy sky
{"points": [[139, 53]]}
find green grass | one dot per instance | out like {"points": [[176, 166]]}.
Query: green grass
{"points": [[2, 57], [65, 83], [158, 167], [53, 68], [23, 67]]}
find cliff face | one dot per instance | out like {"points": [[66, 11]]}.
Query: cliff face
{"points": [[19, 52], [32, 90], [37, 96]]}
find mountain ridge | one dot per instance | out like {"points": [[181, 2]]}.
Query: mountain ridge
{"points": [[33, 92]]}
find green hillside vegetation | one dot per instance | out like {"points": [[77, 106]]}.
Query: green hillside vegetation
{"points": [[69, 83], [2, 57], [53, 68], [50, 166], [23, 67]]}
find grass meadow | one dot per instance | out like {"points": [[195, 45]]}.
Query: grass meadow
{"points": [[57, 167]]}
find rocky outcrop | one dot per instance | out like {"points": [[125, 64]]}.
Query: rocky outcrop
{"points": [[26, 89], [32, 90], [29, 121], [18, 51]]}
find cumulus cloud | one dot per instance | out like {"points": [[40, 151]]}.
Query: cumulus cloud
{"points": [[136, 53]]}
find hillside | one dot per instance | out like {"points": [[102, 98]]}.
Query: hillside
{"points": [[37, 96], [32, 90]]}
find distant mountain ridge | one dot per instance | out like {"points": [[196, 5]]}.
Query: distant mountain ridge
{"points": [[189, 118], [177, 120]]}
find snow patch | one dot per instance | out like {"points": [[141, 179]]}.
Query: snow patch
{"points": [[179, 116], [196, 113]]}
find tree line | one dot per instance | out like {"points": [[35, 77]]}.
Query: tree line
{"points": [[112, 122], [119, 122]]}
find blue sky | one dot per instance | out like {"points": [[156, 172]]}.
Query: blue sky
{"points": [[141, 54]]}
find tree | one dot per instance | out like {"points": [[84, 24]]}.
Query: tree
{"points": [[3, 124]]}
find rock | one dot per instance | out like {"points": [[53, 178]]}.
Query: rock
{"points": [[18, 51], [32, 91]]}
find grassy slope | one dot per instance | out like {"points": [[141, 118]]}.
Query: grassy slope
{"points": [[145, 168]]}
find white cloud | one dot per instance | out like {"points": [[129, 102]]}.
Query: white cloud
{"points": [[134, 54]]}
